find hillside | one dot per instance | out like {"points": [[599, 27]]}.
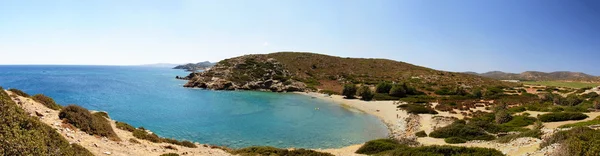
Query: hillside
{"points": [[541, 76], [317, 71], [195, 66]]}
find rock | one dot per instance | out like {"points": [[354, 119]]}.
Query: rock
{"points": [[39, 114], [107, 153]]}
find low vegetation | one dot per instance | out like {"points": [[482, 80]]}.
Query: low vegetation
{"points": [[421, 134], [272, 151], [18, 92], [562, 84], [141, 133], [536, 132], [460, 129], [378, 146], [365, 93], [388, 147], [561, 116], [170, 154], [21, 134], [596, 121], [577, 141], [95, 124], [418, 109], [455, 140], [124, 126], [46, 101]]}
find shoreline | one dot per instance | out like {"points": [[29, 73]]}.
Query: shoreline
{"points": [[386, 111]]}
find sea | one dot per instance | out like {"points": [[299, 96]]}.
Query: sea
{"points": [[152, 98]]}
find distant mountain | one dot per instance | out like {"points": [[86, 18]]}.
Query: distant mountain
{"points": [[540, 76], [160, 65], [194, 67]]}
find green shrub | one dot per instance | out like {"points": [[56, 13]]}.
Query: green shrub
{"points": [[180, 143], [502, 116], [349, 91], [124, 126], [461, 130], [561, 116], [103, 114], [383, 87], [421, 134], [365, 93], [596, 121], [94, 124], [520, 121], [577, 141], [266, 150], [455, 140], [378, 146], [384, 97], [141, 133], [444, 151], [21, 134], [536, 132], [398, 91], [46, 101], [417, 109], [132, 140], [18, 92], [170, 154]]}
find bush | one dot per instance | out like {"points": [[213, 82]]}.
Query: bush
{"points": [[520, 121], [417, 109], [349, 91], [383, 87], [180, 143], [132, 140], [384, 97], [141, 133], [398, 91], [18, 92], [597, 103], [577, 141], [46, 101], [94, 124], [378, 146], [596, 121], [461, 130], [455, 140], [124, 126], [421, 134], [365, 93], [21, 134], [170, 154], [266, 150], [445, 151], [536, 132], [103, 114], [561, 116], [503, 116]]}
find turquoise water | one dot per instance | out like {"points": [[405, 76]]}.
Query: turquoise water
{"points": [[153, 98]]}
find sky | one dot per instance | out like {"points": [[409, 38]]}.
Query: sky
{"points": [[457, 35]]}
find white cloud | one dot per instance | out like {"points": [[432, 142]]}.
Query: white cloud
{"points": [[266, 44]]}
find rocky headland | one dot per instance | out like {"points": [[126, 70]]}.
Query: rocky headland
{"points": [[249, 72]]}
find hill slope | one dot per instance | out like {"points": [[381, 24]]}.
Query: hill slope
{"points": [[195, 66], [294, 71], [541, 76]]}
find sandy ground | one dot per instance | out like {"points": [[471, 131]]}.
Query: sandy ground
{"points": [[103, 146]]}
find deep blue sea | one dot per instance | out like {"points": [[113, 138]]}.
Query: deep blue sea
{"points": [[151, 97]]}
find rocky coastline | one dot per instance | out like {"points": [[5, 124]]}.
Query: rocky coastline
{"points": [[249, 72]]}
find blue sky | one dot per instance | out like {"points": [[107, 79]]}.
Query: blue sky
{"points": [[463, 35]]}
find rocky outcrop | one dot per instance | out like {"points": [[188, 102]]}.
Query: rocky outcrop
{"points": [[249, 72]]}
